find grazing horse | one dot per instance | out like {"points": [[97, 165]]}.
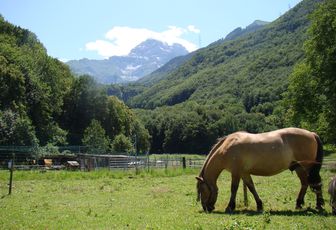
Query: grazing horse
{"points": [[332, 192], [244, 154]]}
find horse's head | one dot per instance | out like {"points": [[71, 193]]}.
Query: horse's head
{"points": [[206, 194]]}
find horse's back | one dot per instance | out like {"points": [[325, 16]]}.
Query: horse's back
{"points": [[301, 142], [269, 153], [287, 139]]}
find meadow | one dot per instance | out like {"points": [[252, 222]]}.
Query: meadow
{"points": [[155, 199]]}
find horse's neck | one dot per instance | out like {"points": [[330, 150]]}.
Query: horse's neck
{"points": [[213, 169], [212, 152]]}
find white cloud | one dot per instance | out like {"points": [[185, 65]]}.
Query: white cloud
{"points": [[64, 60], [104, 48], [193, 29], [121, 39]]}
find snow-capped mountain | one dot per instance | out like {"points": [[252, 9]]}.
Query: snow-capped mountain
{"points": [[142, 60]]}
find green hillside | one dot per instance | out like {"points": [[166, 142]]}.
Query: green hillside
{"points": [[225, 87], [253, 67], [33, 87], [43, 104]]}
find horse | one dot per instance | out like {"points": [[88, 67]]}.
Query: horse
{"points": [[332, 192], [244, 154]]}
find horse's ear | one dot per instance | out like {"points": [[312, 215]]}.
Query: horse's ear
{"points": [[199, 179]]}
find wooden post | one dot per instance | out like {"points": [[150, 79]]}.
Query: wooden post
{"points": [[137, 171], [11, 168], [147, 162], [184, 165], [245, 195], [166, 163]]}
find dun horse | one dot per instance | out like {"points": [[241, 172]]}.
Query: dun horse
{"points": [[266, 154]]}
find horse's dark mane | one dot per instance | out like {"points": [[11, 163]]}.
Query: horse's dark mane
{"points": [[213, 149]]}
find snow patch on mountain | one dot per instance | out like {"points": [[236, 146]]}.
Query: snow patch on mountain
{"points": [[142, 60]]}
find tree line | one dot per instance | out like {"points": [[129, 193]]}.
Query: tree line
{"points": [[43, 104]]}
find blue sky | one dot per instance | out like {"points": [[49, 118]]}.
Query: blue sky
{"points": [[97, 29]]}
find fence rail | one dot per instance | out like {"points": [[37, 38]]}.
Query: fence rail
{"points": [[88, 162], [23, 158]]}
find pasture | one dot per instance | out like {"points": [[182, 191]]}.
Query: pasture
{"points": [[158, 199]]}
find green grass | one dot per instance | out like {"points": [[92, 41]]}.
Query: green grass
{"points": [[158, 199]]}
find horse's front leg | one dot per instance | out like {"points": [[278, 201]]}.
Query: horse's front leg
{"points": [[234, 187], [249, 183]]}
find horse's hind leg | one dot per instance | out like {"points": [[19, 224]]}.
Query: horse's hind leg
{"points": [[317, 189], [249, 182], [302, 174], [234, 187], [315, 183]]}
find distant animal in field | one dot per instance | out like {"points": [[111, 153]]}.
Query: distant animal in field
{"points": [[244, 154], [332, 192]]}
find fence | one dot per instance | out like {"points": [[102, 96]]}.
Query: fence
{"points": [[91, 162], [29, 158], [25, 158], [329, 164]]}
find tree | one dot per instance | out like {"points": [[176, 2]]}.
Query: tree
{"points": [[311, 95], [16, 130], [122, 144], [95, 138], [142, 136], [11, 85]]}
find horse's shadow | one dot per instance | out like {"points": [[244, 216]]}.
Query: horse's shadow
{"points": [[302, 212]]}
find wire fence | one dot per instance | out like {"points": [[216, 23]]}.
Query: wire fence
{"points": [[89, 162], [76, 157]]}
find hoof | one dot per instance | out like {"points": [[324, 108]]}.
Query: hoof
{"points": [[260, 209], [298, 207], [229, 210], [299, 204]]}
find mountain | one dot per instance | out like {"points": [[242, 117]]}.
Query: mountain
{"points": [[178, 61], [248, 71], [161, 72], [142, 60], [256, 25], [227, 86]]}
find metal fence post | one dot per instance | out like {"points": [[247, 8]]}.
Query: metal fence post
{"points": [[184, 165], [147, 162], [166, 162], [11, 168]]}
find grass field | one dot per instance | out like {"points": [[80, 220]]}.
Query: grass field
{"points": [[159, 199]]}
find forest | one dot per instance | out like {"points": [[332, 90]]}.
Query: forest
{"points": [[281, 75], [257, 82], [43, 104]]}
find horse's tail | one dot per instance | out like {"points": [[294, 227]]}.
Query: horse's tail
{"points": [[314, 178]]}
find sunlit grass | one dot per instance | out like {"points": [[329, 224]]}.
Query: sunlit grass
{"points": [[154, 199]]}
